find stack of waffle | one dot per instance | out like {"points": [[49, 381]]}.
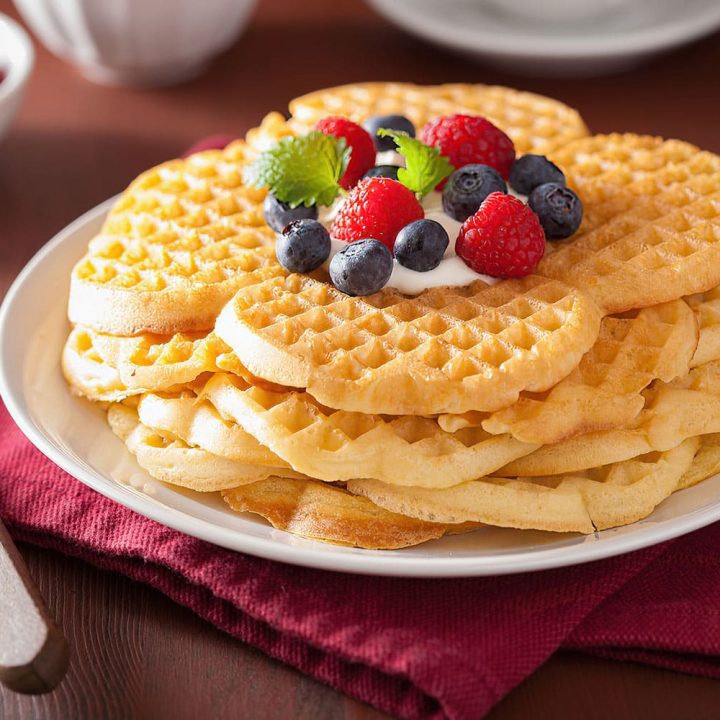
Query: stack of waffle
{"points": [[573, 400]]}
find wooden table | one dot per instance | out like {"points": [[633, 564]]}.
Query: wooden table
{"points": [[136, 654]]}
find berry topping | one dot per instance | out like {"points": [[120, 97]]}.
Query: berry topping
{"points": [[466, 189], [469, 139], [559, 209], [362, 156], [502, 239], [421, 245], [303, 246], [361, 268], [278, 214], [390, 122], [378, 208], [388, 171], [529, 171]]}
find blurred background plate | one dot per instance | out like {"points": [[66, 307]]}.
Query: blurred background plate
{"points": [[618, 38]]}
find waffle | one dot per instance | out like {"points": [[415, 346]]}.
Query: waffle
{"points": [[684, 408], [448, 350], [535, 123], [707, 308], [706, 462], [612, 172], [660, 239], [335, 445], [111, 368], [174, 249], [603, 392], [331, 514], [601, 498], [197, 423], [169, 459]]}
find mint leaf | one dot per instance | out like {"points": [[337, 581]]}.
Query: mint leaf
{"points": [[302, 170], [424, 167]]}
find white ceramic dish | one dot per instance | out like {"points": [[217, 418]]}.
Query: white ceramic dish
{"points": [[16, 62], [137, 42], [74, 435], [609, 42]]}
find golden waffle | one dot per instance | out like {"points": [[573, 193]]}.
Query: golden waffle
{"points": [[597, 499], [331, 514], [176, 246], [449, 350], [169, 459], [613, 172], [604, 390], [197, 423], [706, 462], [684, 408], [661, 237], [707, 308], [337, 445], [110, 367], [536, 124]]}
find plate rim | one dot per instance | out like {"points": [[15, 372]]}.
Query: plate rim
{"points": [[370, 562]]}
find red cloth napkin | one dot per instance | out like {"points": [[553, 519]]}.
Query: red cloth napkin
{"points": [[414, 648]]}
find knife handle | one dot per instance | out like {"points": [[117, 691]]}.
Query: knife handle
{"points": [[34, 654]]}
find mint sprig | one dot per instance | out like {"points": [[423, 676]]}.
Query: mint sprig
{"points": [[302, 170], [424, 167]]}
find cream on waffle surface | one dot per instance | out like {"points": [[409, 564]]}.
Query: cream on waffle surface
{"points": [[300, 388]]}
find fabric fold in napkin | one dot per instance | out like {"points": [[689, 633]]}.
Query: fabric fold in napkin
{"points": [[414, 648]]}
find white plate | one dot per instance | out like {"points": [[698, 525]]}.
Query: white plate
{"points": [[632, 33], [73, 434]]}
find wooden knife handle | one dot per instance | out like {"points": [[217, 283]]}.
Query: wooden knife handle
{"points": [[33, 652]]}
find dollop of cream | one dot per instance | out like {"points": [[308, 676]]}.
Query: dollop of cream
{"points": [[452, 269]]}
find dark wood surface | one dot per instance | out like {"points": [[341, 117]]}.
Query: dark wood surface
{"points": [[134, 653]]}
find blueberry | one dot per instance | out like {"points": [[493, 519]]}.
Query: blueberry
{"points": [[390, 122], [529, 171], [388, 171], [278, 214], [362, 267], [466, 189], [421, 245], [559, 209], [303, 245]]}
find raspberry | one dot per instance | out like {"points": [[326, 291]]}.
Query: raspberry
{"points": [[470, 139], [376, 208], [503, 238], [362, 147]]}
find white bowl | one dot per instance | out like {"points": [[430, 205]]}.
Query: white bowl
{"points": [[16, 61], [137, 42]]}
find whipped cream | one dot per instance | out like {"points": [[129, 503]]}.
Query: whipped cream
{"points": [[452, 270]]}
